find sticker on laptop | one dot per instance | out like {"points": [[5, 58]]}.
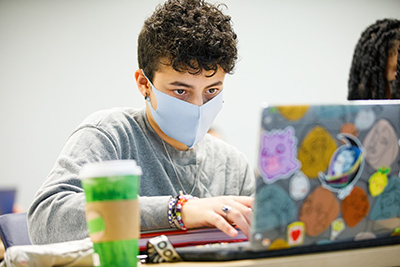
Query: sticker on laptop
{"points": [[293, 113], [381, 145], [349, 128], [315, 151], [387, 204], [274, 208], [299, 186], [318, 211], [278, 244], [378, 181], [364, 119], [337, 227], [278, 155], [364, 236], [345, 167], [355, 206], [295, 233]]}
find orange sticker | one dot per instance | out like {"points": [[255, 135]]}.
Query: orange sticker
{"points": [[315, 151], [381, 145], [293, 112], [318, 211], [349, 128], [355, 207]]}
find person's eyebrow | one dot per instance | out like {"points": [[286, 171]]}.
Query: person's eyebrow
{"points": [[215, 84], [182, 84]]}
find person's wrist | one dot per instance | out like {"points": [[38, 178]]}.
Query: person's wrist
{"points": [[180, 203]]}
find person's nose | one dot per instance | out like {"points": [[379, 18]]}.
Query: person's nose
{"points": [[198, 100]]}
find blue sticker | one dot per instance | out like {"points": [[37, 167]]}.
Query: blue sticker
{"points": [[387, 204], [274, 208]]}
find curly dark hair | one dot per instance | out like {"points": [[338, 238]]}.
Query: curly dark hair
{"points": [[189, 35], [367, 79]]}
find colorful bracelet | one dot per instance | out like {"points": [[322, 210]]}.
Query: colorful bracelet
{"points": [[181, 200], [171, 215]]}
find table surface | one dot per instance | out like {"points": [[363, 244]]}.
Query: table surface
{"points": [[375, 256]]}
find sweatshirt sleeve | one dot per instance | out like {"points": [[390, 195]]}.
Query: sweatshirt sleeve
{"points": [[57, 213], [249, 181]]}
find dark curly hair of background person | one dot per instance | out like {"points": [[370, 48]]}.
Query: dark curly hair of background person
{"points": [[190, 35], [367, 79]]}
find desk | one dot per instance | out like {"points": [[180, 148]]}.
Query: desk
{"points": [[365, 257]]}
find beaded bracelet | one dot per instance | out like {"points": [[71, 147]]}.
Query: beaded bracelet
{"points": [[177, 212], [171, 215]]}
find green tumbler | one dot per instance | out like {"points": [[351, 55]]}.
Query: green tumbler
{"points": [[112, 211]]}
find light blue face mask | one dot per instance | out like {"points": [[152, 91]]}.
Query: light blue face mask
{"points": [[183, 121]]}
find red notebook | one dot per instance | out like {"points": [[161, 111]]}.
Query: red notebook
{"points": [[202, 236]]}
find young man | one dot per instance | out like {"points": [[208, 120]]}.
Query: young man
{"points": [[185, 49], [374, 73]]}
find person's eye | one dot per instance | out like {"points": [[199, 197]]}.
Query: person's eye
{"points": [[180, 91], [212, 91]]}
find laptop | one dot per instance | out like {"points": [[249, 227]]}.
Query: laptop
{"points": [[327, 179]]}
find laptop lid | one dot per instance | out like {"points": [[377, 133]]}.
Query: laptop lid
{"points": [[327, 174]]}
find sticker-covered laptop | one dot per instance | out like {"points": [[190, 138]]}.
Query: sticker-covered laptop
{"points": [[327, 179], [327, 173]]}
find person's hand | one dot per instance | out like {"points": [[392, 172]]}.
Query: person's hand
{"points": [[208, 212]]}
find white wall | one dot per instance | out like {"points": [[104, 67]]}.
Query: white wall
{"points": [[62, 60]]}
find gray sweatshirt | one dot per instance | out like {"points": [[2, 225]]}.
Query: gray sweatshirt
{"points": [[212, 168]]}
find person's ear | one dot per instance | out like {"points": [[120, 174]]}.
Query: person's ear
{"points": [[142, 83]]}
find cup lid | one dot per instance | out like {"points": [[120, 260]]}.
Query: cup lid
{"points": [[110, 168]]}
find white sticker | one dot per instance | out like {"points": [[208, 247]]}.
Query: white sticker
{"points": [[299, 186], [364, 119]]}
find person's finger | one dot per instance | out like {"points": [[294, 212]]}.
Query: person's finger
{"points": [[236, 216], [245, 211], [245, 200], [242, 208], [219, 222]]}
